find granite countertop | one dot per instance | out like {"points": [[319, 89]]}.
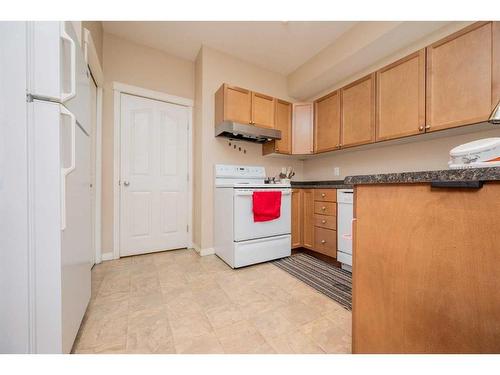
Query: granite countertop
{"points": [[333, 184], [446, 175]]}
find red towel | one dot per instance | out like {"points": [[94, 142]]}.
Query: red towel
{"points": [[266, 205]]}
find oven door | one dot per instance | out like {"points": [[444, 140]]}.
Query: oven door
{"points": [[244, 226]]}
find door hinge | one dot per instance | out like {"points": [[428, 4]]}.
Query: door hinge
{"points": [[187, 228]]}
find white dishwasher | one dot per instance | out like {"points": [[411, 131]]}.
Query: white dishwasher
{"points": [[344, 227]]}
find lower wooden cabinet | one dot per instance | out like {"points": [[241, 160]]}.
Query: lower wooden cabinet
{"points": [[308, 218], [312, 227], [426, 278], [296, 218], [324, 221], [325, 241]]}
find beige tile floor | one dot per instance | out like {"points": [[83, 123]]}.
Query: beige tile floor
{"points": [[179, 302]]}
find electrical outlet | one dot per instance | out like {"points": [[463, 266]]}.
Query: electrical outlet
{"points": [[336, 171]]}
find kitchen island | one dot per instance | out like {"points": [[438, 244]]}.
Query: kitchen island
{"points": [[426, 271]]}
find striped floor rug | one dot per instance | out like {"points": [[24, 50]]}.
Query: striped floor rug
{"points": [[325, 278]]}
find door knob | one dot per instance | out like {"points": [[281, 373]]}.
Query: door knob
{"points": [[421, 128], [323, 195], [323, 242], [323, 208], [126, 183]]}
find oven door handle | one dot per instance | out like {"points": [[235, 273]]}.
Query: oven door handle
{"points": [[250, 192]]}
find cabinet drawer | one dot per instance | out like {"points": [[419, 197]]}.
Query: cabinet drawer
{"points": [[325, 208], [325, 195], [325, 241], [325, 221]]}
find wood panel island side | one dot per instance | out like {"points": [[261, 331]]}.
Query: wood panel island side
{"points": [[426, 267]]}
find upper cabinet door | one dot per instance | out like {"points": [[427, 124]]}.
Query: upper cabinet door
{"points": [[263, 110], [401, 98], [358, 112], [327, 123], [237, 104], [459, 78], [496, 65], [302, 128], [284, 123]]}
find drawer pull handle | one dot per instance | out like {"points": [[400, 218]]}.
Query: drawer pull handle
{"points": [[323, 242], [323, 195], [323, 221], [323, 208]]}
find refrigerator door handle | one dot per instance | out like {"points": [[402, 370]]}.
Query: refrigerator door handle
{"points": [[68, 170], [72, 92]]}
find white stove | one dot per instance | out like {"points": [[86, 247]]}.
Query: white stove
{"points": [[238, 240]]}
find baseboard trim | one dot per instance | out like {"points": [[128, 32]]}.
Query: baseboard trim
{"points": [[107, 256], [203, 252], [207, 251]]}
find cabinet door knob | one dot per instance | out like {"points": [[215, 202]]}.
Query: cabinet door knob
{"points": [[126, 183], [323, 195], [323, 242], [323, 208], [421, 127], [323, 221], [427, 127]]}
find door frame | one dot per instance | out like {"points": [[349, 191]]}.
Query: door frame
{"points": [[92, 58], [122, 88]]}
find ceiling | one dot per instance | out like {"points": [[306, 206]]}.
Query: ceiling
{"points": [[277, 46]]}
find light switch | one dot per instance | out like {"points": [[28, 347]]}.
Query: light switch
{"points": [[336, 171]]}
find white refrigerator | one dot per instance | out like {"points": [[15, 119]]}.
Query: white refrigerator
{"points": [[55, 281]]}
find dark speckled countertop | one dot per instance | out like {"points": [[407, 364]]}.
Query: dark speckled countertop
{"points": [[446, 175], [333, 184]]}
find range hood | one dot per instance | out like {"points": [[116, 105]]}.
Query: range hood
{"points": [[246, 132]]}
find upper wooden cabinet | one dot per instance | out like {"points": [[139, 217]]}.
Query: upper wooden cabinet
{"points": [[327, 122], [233, 104], [244, 106], [283, 122], [459, 78], [401, 98], [302, 128], [263, 110], [358, 112]]}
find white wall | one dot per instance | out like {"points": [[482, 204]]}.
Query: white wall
{"points": [[217, 68], [415, 156], [141, 66]]}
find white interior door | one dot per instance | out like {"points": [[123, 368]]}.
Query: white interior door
{"points": [[154, 170]]}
